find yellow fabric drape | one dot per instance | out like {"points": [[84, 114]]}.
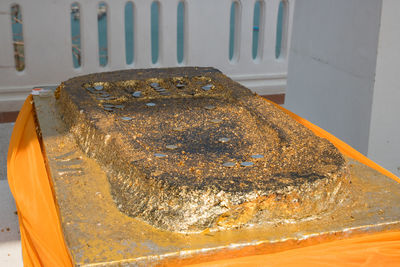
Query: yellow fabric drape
{"points": [[41, 236], [43, 242], [374, 250]]}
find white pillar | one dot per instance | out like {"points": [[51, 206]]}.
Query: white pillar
{"points": [[384, 137], [344, 73], [332, 66]]}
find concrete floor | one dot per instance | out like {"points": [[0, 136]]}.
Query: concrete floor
{"points": [[10, 239], [5, 134]]}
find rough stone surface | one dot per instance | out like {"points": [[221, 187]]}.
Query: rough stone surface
{"points": [[188, 188]]}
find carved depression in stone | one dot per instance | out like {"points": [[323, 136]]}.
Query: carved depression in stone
{"points": [[188, 149]]}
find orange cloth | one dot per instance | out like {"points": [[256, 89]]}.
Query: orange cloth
{"points": [[43, 242], [41, 236], [373, 250]]}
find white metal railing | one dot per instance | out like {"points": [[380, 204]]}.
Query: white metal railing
{"points": [[47, 41]]}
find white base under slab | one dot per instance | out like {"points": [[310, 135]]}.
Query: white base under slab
{"points": [[10, 238]]}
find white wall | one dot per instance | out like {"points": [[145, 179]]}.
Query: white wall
{"points": [[332, 66], [384, 139], [47, 38]]}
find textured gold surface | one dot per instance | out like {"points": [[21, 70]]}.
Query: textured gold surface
{"points": [[188, 189], [97, 233]]}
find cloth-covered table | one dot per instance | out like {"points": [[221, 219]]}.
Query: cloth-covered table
{"points": [[43, 242]]}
